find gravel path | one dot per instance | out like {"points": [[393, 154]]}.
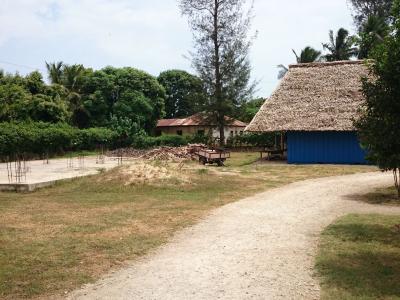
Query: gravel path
{"points": [[261, 247]]}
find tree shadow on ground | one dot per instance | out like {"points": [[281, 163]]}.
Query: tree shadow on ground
{"points": [[385, 196], [361, 261], [365, 233], [364, 275]]}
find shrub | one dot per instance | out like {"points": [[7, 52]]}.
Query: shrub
{"points": [[144, 141]]}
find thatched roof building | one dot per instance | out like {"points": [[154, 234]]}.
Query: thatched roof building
{"points": [[314, 97], [315, 107]]}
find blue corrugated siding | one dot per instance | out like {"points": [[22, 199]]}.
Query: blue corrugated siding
{"points": [[324, 147]]}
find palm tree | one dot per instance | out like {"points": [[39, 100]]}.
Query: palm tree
{"points": [[282, 71], [372, 33], [71, 75], [307, 55], [71, 79], [55, 72], [341, 46]]}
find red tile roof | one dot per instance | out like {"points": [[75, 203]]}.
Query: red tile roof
{"points": [[197, 120]]}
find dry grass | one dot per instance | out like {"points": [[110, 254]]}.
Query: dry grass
{"points": [[56, 239]]}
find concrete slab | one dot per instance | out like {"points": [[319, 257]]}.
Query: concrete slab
{"points": [[41, 175]]}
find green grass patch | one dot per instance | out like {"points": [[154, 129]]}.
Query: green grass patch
{"points": [[359, 258]]}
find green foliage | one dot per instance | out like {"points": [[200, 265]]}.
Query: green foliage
{"points": [[34, 83], [28, 98], [364, 9], [307, 55], [341, 46], [379, 126], [184, 93], [55, 72], [249, 109], [38, 138], [84, 98], [221, 55], [125, 127], [144, 141], [45, 108], [253, 139], [124, 93], [372, 34]]}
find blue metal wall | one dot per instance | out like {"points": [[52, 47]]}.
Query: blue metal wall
{"points": [[324, 147]]}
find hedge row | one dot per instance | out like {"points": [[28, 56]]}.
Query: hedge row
{"points": [[36, 139], [39, 138], [145, 142], [245, 140]]}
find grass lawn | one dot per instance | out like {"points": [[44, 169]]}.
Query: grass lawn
{"points": [[55, 239], [359, 258]]}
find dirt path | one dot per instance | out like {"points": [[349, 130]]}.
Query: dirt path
{"points": [[259, 248]]}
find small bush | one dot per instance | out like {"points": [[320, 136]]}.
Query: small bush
{"points": [[145, 142]]}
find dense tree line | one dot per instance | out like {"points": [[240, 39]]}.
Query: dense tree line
{"points": [[127, 100], [110, 97]]}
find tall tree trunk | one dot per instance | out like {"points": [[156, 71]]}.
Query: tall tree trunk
{"points": [[222, 135], [396, 174], [218, 79]]}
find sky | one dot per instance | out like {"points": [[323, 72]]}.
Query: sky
{"points": [[152, 35]]}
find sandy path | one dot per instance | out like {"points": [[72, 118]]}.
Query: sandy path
{"points": [[259, 248]]}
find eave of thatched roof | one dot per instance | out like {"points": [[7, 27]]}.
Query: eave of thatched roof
{"points": [[314, 97]]}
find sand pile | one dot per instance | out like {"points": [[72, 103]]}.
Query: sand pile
{"points": [[151, 172]]}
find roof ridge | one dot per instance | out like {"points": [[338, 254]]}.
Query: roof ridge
{"points": [[326, 64]]}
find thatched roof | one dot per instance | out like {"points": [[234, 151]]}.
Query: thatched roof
{"points": [[314, 97]]}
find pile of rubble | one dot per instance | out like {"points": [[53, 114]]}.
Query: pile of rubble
{"points": [[126, 152], [161, 153]]}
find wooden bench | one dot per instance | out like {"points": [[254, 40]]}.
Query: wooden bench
{"points": [[272, 153]]}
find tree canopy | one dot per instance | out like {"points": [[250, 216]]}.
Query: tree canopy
{"points": [[124, 98], [249, 109], [372, 33], [220, 30], [185, 95], [340, 46], [117, 94], [379, 126], [307, 55], [29, 98], [363, 9]]}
